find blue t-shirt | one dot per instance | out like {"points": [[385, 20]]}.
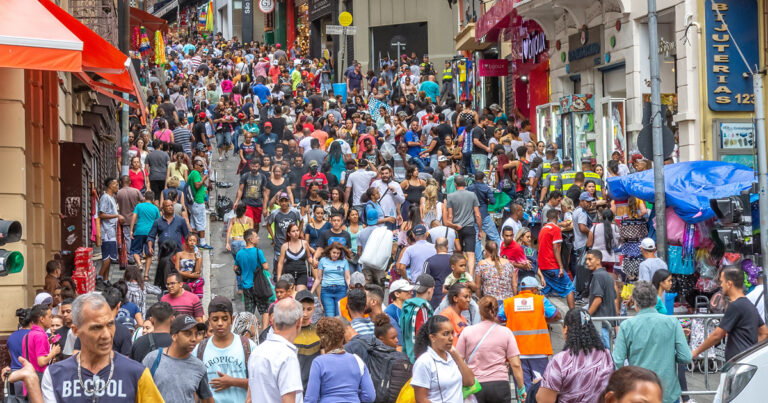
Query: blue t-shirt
{"points": [[268, 143], [413, 151], [249, 260], [431, 89], [549, 310], [127, 313], [15, 345], [146, 214], [261, 91], [333, 271]]}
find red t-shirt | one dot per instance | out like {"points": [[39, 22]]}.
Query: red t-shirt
{"points": [[548, 236], [514, 252], [320, 179]]}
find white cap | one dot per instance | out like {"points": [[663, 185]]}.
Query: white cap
{"points": [[648, 244], [43, 299], [400, 285]]}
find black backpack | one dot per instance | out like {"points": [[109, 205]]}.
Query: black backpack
{"points": [[522, 178], [389, 369]]}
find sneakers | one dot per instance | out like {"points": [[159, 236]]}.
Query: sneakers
{"points": [[205, 246], [226, 156], [221, 158]]}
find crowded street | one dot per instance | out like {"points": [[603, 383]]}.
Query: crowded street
{"points": [[229, 201]]}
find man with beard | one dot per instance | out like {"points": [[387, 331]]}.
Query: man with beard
{"points": [[251, 191], [391, 195]]}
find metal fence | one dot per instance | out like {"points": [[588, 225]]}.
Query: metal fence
{"points": [[713, 353]]}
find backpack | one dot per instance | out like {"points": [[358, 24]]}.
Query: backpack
{"points": [[389, 370], [262, 288], [408, 323], [522, 173], [243, 341]]}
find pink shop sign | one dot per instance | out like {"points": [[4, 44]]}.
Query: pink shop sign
{"points": [[493, 67]]}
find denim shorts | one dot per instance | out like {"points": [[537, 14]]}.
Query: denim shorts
{"points": [[197, 218], [223, 139]]}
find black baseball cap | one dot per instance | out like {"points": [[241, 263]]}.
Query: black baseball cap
{"points": [[185, 322], [304, 295], [424, 283]]}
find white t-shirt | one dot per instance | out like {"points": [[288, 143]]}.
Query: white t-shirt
{"points": [[525, 136], [441, 377], [359, 181], [753, 296], [229, 361], [306, 144], [516, 225]]}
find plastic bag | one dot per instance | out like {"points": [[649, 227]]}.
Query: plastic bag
{"points": [[675, 227], [626, 291], [379, 249]]}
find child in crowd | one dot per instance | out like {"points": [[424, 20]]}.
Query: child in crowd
{"points": [[458, 274]]}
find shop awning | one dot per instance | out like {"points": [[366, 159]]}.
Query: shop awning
{"points": [[494, 20], [31, 37], [101, 58], [142, 18]]}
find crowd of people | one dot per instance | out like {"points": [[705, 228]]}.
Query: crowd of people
{"points": [[481, 226]]}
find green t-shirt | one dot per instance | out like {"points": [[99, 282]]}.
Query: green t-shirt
{"points": [[199, 193]]}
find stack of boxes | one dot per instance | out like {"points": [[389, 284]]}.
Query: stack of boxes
{"points": [[85, 272]]}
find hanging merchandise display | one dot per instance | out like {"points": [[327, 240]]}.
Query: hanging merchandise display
{"points": [[577, 116], [144, 46], [159, 49], [209, 17]]}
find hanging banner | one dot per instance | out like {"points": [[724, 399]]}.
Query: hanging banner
{"points": [[247, 21], [729, 85], [493, 67]]}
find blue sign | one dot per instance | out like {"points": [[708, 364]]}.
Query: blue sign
{"points": [[729, 85]]}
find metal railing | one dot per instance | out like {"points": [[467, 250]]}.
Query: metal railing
{"points": [[708, 319]]}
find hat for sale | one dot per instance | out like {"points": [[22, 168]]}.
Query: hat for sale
{"points": [[424, 283], [220, 303], [400, 285], [647, 244], [43, 299], [529, 282], [185, 322], [305, 295], [585, 196], [267, 124], [357, 278]]}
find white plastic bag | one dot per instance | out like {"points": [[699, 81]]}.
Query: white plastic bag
{"points": [[378, 249]]}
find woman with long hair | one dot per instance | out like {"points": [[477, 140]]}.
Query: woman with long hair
{"points": [[439, 371], [137, 289], [458, 298], [606, 239], [188, 263], [139, 178], [311, 199], [247, 152], [296, 257], [337, 204], [581, 371], [413, 187], [332, 278], [487, 348], [524, 238], [337, 160], [495, 276], [141, 144], [662, 281], [266, 165], [316, 225], [276, 183], [353, 228], [337, 376], [163, 133], [430, 209], [405, 236], [635, 384]]}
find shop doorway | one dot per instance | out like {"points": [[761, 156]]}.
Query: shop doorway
{"points": [[416, 41]]}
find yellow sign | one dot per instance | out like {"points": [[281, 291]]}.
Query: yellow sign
{"points": [[345, 19]]}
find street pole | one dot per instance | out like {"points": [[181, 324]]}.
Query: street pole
{"points": [[125, 45], [762, 179], [659, 204]]}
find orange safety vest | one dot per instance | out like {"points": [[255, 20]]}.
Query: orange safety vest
{"points": [[526, 320]]}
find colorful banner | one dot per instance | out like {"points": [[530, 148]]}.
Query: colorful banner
{"points": [[374, 105], [493, 67]]}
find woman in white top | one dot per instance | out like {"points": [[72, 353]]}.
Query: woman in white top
{"points": [[606, 239], [430, 208], [439, 371]]}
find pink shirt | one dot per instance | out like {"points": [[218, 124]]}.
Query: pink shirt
{"points": [[36, 345], [578, 378], [187, 303], [489, 362]]}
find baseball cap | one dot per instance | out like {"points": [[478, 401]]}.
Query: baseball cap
{"points": [[648, 244], [304, 295], [442, 158], [185, 322], [419, 230], [220, 303], [529, 282], [43, 299], [200, 147], [201, 115], [312, 163], [267, 124], [357, 278], [283, 196], [424, 283], [400, 285], [586, 197]]}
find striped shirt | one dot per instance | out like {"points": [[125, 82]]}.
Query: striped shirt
{"points": [[194, 63], [186, 304], [182, 137]]}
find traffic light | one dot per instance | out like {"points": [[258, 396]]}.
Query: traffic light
{"points": [[733, 228], [10, 261]]}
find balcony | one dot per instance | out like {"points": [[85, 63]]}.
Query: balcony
{"points": [[465, 39], [98, 15]]}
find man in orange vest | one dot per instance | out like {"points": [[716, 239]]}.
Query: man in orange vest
{"points": [[527, 315]]}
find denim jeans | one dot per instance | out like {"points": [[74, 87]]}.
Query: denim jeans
{"points": [[236, 245], [466, 159], [489, 227], [236, 137], [330, 295]]}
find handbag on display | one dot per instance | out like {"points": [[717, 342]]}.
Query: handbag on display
{"points": [[633, 230], [631, 249], [631, 267], [677, 264]]}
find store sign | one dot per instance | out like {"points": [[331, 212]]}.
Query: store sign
{"points": [[585, 49], [266, 6], [320, 8], [533, 46], [247, 21], [493, 67], [729, 87]]}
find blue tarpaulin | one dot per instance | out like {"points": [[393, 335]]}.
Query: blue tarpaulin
{"points": [[689, 186]]}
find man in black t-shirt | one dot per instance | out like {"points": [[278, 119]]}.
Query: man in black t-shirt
{"points": [[251, 191], [160, 314], [198, 130], [335, 234], [278, 122], [741, 321]]}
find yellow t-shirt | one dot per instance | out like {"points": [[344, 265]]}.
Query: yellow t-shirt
{"points": [[180, 173]]}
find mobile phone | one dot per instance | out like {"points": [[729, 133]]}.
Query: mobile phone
{"points": [[55, 338]]}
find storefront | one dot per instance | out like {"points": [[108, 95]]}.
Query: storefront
{"points": [[321, 14], [528, 78]]}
